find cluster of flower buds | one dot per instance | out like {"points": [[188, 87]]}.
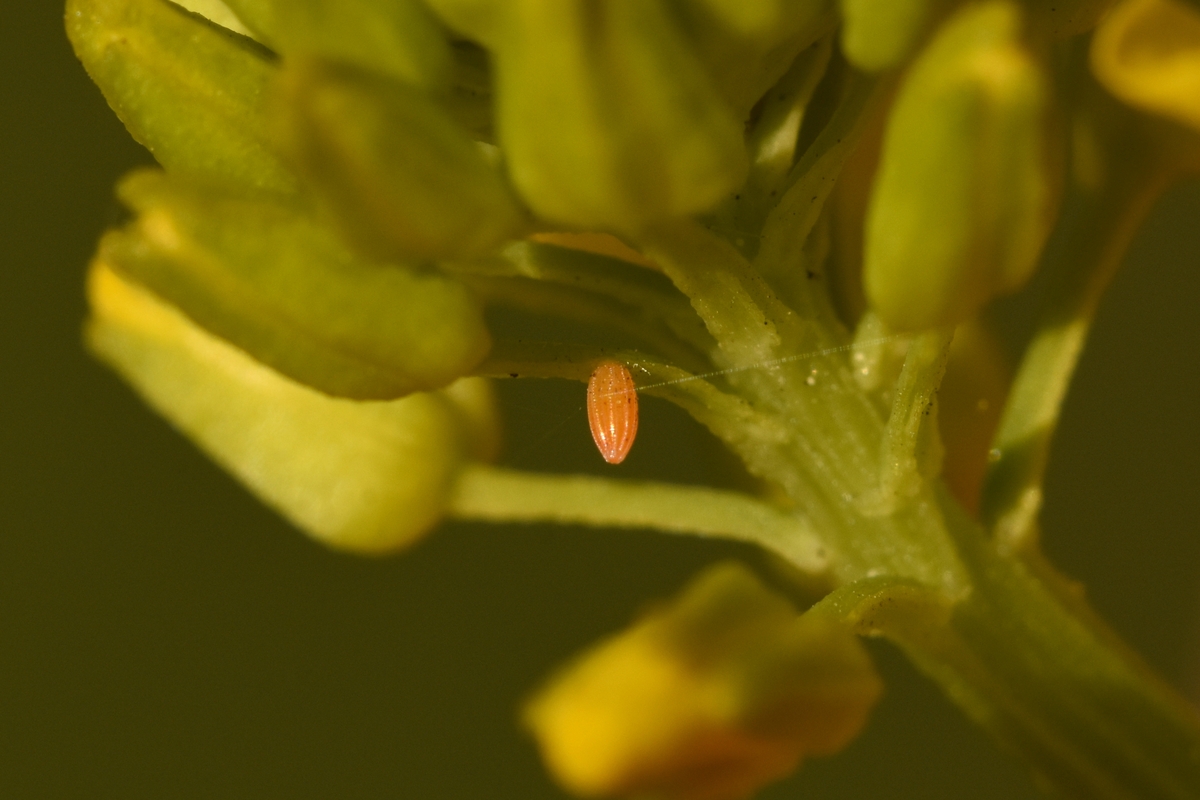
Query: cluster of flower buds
{"points": [[282, 265], [301, 287]]}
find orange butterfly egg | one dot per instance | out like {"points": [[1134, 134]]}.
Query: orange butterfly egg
{"points": [[612, 408]]}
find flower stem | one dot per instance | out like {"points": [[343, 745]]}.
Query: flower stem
{"points": [[1093, 722], [495, 494], [908, 456], [1096, 234]]}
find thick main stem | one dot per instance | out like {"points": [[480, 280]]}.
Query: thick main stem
{"points": [[1092, 722], [1046, 680]]}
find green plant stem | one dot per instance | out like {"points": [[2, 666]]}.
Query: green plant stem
{"points": [[1043, 677], [812, 178], [1096, 234], [1093, 723], [741, 311], [1006, 644], [494, 494], [808, 428], [1035, 670], [772, 143], [906, 460]]}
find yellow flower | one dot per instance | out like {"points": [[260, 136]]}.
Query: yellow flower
{"points": [[725, 690]]}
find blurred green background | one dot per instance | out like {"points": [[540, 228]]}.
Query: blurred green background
{"points": [[163, 635]]}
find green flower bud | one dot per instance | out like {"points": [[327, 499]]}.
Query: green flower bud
{"points": [[607, 118], [399, 178], [265, 277], [398, 38], [965, 196], [187, 89], [747, 45], [713, 696], [1147, 53], [367, 477]]}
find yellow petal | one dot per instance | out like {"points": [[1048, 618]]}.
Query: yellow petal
{"points": [[710, 698]]}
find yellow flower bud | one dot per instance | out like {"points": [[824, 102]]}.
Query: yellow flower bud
{"points": [[709, 698], [369, 477], [1147, 53], [965, 195]]}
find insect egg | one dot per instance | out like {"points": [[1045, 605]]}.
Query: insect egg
{"points": [[612, 408]]}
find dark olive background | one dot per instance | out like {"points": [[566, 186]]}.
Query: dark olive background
{"points": [[163, 635]]}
